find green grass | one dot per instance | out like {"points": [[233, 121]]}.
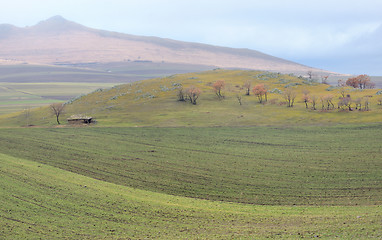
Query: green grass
{"points": [[40, 201], [272, 166], [130, 183]]}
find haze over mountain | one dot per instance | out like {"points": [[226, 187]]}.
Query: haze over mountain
{"points": [[57, 41]]}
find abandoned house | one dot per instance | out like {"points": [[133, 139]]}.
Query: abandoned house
{"points": [[80, 120]]}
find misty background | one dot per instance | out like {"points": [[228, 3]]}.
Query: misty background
{"points": [[341, 36]]}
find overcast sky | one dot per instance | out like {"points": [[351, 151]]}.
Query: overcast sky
{"points": [[338, 35]]}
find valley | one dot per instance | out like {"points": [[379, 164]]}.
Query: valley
{"points": [[156, 167], [186, 141]]}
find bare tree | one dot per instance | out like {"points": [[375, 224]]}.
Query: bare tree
{"points": [[366, 103], [329, 104], [313, 100], [345, 103], [342, 91], [358, 103], [289, 96], [310, 75], [322, 99], [324, 79], [57, 109], [305, 97], [218, 86], [326, 102], [193, 94], [27, 114], [238, 98], [181, 95], [247, 86]]}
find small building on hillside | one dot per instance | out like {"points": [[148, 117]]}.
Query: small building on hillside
{"points": [[80, 119]]}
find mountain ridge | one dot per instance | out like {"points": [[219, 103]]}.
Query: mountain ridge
{"points": [[57, 40]]}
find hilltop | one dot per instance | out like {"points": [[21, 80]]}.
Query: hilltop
{"points": [[155, 102], [57, 41]]}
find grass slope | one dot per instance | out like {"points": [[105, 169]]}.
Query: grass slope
{"points": [[154, 103], [40, 201], [262, 165]]}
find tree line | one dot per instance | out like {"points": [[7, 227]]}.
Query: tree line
{"points": [[311, 101]]}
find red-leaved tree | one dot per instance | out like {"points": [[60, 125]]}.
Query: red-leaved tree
{"points": [[260, 91], [218, 87], [361, 81], [193, 94]]}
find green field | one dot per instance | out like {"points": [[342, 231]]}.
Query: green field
{"points": [[31, 86], [15, 97], [132, 182]]}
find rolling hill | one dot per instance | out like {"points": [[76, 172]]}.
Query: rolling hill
{"points": [[154, 102], [57, 41], [154, 167], [214, 170]]}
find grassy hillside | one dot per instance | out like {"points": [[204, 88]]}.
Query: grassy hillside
{"points": [[154, 103], [272, 166], [40, 201], [128, 183], [249, 171]]}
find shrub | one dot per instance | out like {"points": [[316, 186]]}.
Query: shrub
{"points": [[276, 90], [283, 81], [292, 85]]}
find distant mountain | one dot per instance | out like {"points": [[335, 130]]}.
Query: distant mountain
{"points": [[57, 41]]}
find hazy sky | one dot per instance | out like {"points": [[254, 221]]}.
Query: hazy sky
{"points": [[338, 35]]}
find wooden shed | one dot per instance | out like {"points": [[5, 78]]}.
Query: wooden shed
{"points": [[80, 120]]}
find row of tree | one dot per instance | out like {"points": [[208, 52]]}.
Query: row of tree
{"points": [[261, 92]]}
